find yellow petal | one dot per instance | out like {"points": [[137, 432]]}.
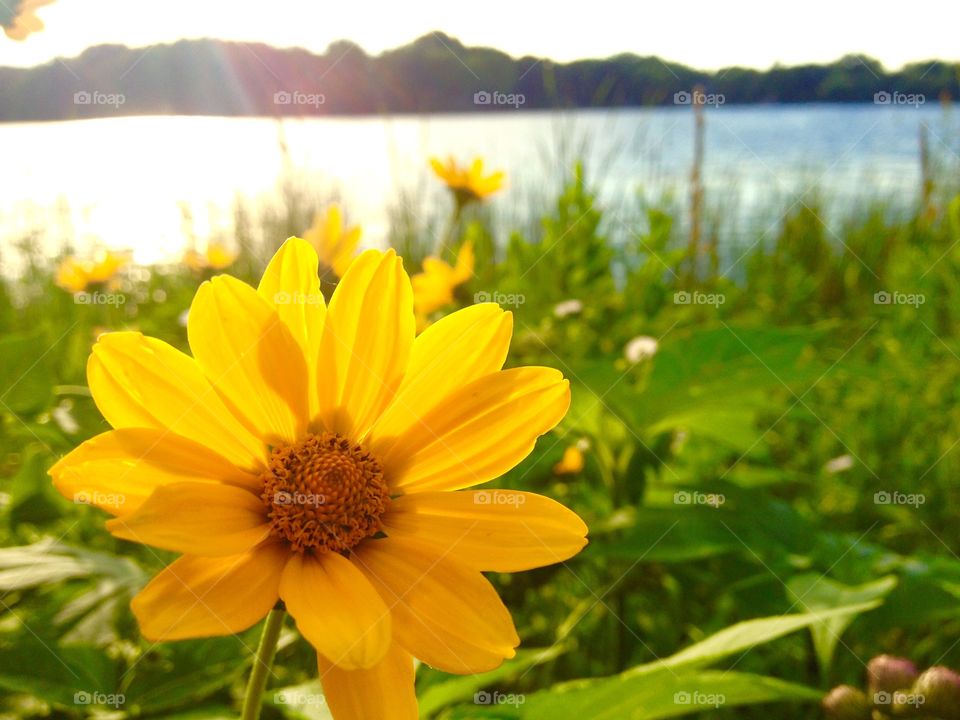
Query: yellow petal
{"points": [[497, 530], [251, 358], [336, 610], [198, 597], [196, 519], [118, 470], [475, 434], [444, 613], [138, 381], [452, 352], [291, 286], [384, 691], [366, 343]]}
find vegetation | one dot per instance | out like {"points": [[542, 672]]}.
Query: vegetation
{"points": [[770, 484], [435, 73]]}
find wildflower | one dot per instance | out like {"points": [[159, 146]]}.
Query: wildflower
{"points": [[571, 463], [640, 348], [23, 19], [335, 244], [887, 673], [940, 689], [433, 288], [216, 257], [567, 307], [75, 276], [319, 455], [468, 184]]}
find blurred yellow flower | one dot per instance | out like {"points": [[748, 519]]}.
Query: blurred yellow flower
{"points": [[313, 455], [433, 288], [75, 276], [216, 257], [571, 463], [336, 245], [24, 20], [468, 184]]}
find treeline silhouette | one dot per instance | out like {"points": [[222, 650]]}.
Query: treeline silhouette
{"points": [[435, 73]]}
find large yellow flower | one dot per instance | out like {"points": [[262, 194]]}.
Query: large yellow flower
{"points": [[337, 245], [433, 288], [74, 275], [468, 184], [216, 257], [313, 455]]}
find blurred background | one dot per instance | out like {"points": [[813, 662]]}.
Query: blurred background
{"points": [[735, 229]]}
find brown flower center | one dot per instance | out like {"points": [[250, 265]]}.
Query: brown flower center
{"points": [[324, 494]]}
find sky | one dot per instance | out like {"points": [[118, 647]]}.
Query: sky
{"points": [[706, 34]]}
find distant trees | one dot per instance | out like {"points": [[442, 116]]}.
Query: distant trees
{"points": [[435, 73]]}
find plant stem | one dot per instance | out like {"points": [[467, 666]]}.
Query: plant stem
{"points": [[262, 663]]}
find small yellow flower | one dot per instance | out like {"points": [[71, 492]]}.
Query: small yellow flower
{"points": [[75, 276], [433, 288], [571, 463], [320, 455], [335, 244], [468, 184], [217, 257], [24, 20]]}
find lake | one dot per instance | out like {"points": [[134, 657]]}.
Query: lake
{"points": [[126, 182]]}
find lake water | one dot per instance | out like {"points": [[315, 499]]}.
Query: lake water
{"points": [[125, 182]]}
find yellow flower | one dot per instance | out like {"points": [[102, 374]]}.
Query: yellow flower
{"points": [[336, 245], [320, 455], [216, 257], [571, 463], [433, 288], [75, 276], [468, 184], [24, 20]]}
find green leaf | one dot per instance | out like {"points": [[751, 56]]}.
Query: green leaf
{"points": [[745, 635], [815, 592], [457, 688], [57, 674], [26, 367], [48, 561], [663, 694]]}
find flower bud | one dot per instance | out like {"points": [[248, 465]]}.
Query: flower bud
{"points": [[847, 703], [940, 689], [886, 673]]}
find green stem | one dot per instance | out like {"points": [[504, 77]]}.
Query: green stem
{"points": [[446, 240], [262, 663]]}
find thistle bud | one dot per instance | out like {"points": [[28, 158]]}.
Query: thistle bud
{"points": [[940, 689], [886, 673], [847, 703]]}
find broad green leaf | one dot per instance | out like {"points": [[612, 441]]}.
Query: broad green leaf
{"points": [[460, 687], [62, 675], [815, 592]]}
